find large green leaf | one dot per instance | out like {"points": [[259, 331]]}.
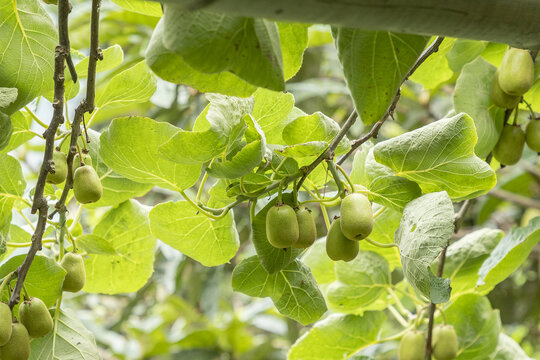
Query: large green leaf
{"points": [[218, 129], [171, 67], [360, 283], [127, 230], [338, 337], [212, 42], [293, 289], [11, 184], [463, 52], [144, 7], [210, 242], [27, 41], [129, 146], [70, 341], [426, 227], [134, 85], [438, 157], [21, 122], [435, 70], [472, 96], [6, 129], [272, 259], [271, 110], [321, 266], [293, 39], [464, 258], [508, 349], [44, 280], [509, 254], [476, 325], [384, 228], [375, 64]]}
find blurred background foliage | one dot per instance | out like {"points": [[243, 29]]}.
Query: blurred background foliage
{"points": [[187, 311]]}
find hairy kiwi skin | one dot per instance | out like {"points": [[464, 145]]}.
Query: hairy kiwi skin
{"points": [[516, 73], [307, 229], [532, 135], [5, 323], [338, 246], [75, 272], [18, 346], [60, 168], [86, 159], [412, 346], [510, 145], [445, 342], [281, 226], [87, 186], [356, 216], [500, 98], [35, 317]]}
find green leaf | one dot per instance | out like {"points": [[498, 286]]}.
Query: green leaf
{"points": [[28, 35], [212, 42], [113, 56], [134, 85], [120, 152], [472, 96], [314, 127], [508, 255], [94, 244], [375, 64], [44, 279], [293, 289], [338, 337], [360, 283], [293, 38], [476, 324], [16, 235], [22, 122], [384, 228], [440, 156], [210, 242], [435, 70], [321, 266], [426, 228], [70, 341], [7, 96], [219, 128], [272, 259], [126, 228], [171, 67], [271, 110], [508, 349], [11, 184], [148, 8], [463, 52], [116, 188], [6, 129], [464, 258]]}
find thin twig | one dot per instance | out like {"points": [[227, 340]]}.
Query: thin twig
{"points": [[86, 105], [47, 166], [520, 200], [373, 133]]}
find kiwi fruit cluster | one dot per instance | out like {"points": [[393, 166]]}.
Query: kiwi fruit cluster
{"points": [[287, 227], [514, 78], [445, 344]]}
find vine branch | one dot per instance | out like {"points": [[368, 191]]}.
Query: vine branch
{"points": [[61, 53], [374, 132]]}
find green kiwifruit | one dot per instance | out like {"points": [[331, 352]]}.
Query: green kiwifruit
{"points": [[412, 346], [5, 323], [306, 229], [338, 246], [516, 73], [500, 98], [281, 226], [35, 317], [510, 145], [86, 159], [356, 216], [87, 185], [445, 342], [532, 135], [75, 272], [18, 346], [60, 168]]}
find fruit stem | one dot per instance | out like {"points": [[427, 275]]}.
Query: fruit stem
{"points": [[379, 212], [36, 119], [395, 337], [399, 304], [333, 171], [441, 311], [295, 194], [378, 244], [533, 115], [12, 275], [351, 184], [400, 319], [282, 185], [516, 111], [277, 168], [26, 295], [201, 185]]}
